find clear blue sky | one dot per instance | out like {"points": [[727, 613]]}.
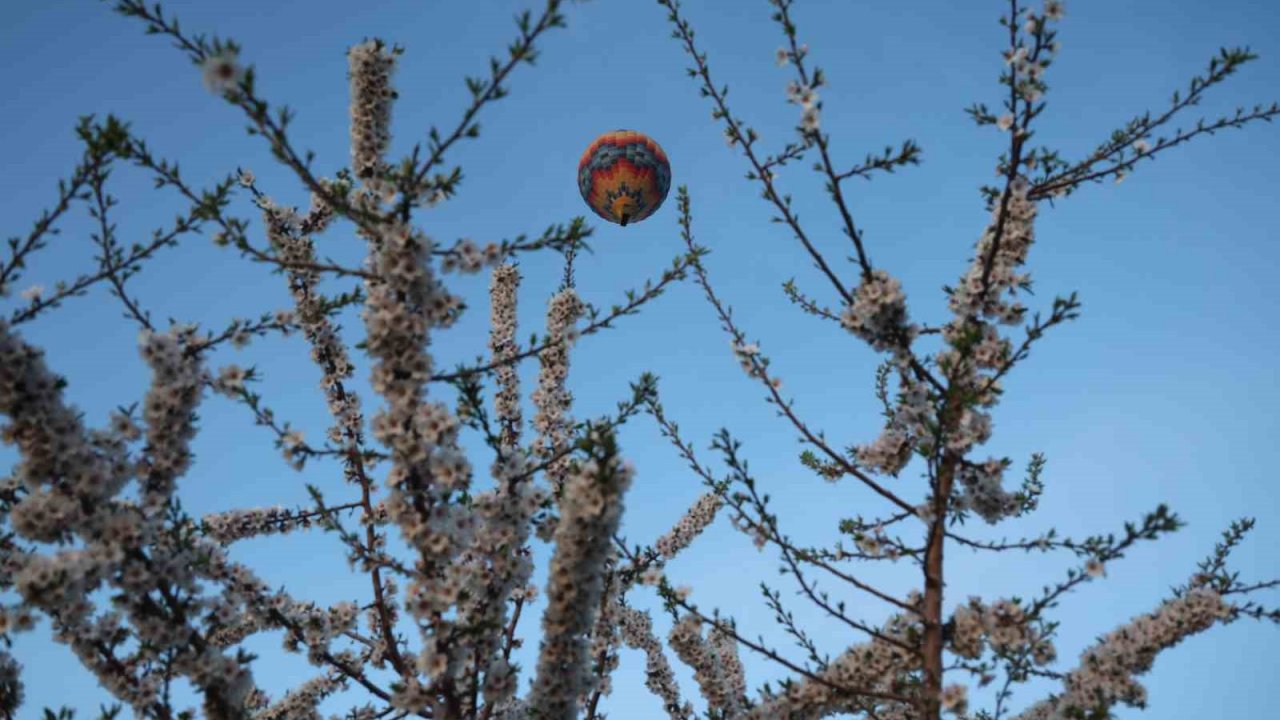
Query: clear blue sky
{"points": [[1164, 391]]}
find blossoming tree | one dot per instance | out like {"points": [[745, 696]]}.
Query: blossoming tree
{"points": [[87, 509]]}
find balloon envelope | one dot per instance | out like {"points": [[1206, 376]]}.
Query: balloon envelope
{"points": [[624, 176]]}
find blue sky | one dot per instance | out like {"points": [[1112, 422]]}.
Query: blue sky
{"points": [[1163, 391]]}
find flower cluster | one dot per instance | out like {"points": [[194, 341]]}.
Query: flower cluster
{"points": [[981, 490], [749, 358], [973, 428], [552, 399], [400, 309], [637, 632], [168, 410], [604, 639], [502, 343], [806, 97], [71, 478], [702, 514], [872, 666], [467, 257], [1002, 248], [955, 699], [876, 544], [591, 508], [404, 302], [371, 95], [909, 425], [300, 703], [1003, 625], [327, 349], [1106, 671], [230, 380], [717, 669], [605, 636], [723, 651], [878, 313], [1028, 65], [783, 56], [226, 527], [498, 568], [987, 349], [307, 625]]}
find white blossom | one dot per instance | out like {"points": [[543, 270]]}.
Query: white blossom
{"points": [[222, 72]]}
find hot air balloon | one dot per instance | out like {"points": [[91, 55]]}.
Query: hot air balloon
{"points": [[624, 176]]}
